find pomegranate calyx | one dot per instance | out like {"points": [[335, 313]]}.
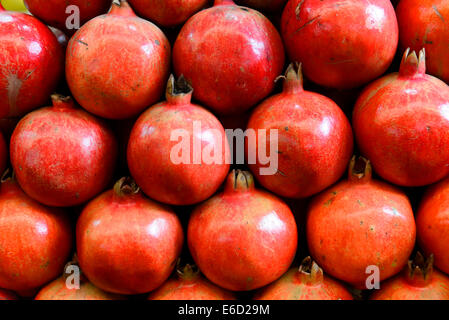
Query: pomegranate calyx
{"points": [[412, 65], [239, 181], [123, 9], [126, 186], [293, 78], [178, 91], [187, 272], [360, 169], [7, 175], [223, 2], [419, 270], [309, 272], [60, 101]]}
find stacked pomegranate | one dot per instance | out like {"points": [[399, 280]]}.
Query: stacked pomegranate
{"points": [[164, 153]]}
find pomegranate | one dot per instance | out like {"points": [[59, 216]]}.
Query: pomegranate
{"points": [[432, 224], [57, 13], [7, 295], [269, 6], [31, 63], [35, 240], [117, 64], [335, 39], [423, 24], [231, 55], [62, 155], [243, 238], [307, 283], [126, 243], [173, 175], [168, 13], [314, 140], [190, 285], [372, 223], [401, 124], [418, 282]]}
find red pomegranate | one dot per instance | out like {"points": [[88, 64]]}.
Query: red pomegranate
{"points": [[57, 13], [7, 295], [307, 283], [188, 284], [401, 123], [418, 282], [314, 140], [127, 243], [167, 13], [269, 6], [335, 39], [423, 24], [243, 238], [31, 63], [117, 64], [62, 155], [180, 172], [231, 55], [359, 223], [432, 224], [35, 240]]}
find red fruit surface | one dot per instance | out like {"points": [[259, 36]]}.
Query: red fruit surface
{"points": [[306, 283], [53, 12], [35, 240], [314, 140], [171, 175], [342, 44], [189, 284], [167, 13], [127, 243], [358, 223], [269, 6], [7, 295], [423, 24], [31, 63], [231, 55], [62, 155], [117, 64], [432, 224], [417, 282], [401, 123], [243, 238], [57, 290]]}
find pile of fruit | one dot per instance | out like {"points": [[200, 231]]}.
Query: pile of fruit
{"points": [[121, 179]]}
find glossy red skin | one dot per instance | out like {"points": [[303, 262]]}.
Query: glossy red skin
{"points": [[292, 286], [31, 63], [192, 288], [432, 224], [355, 224], [7, 295], [155, 172], [423, 24], [333, 38], [242, 239], [400, 123], [57, 290], [129, 244], [36, 240], [53, 12], [117, 64], [264, 5], [231, 55], [62, 155], [167, 13], [315, 141], [399, 288]]}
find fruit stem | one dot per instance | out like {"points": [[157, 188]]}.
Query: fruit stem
{"points": [[223, 2], [239, 181], [123, 9], [188, 272], [293, 78], [178, 92], [419, 270], [360, 170], [59, 101], [126, 186], [310, 273], [412, 65]]}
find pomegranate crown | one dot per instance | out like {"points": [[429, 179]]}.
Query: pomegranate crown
{"points": [[419, 270], [413, 65]]}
